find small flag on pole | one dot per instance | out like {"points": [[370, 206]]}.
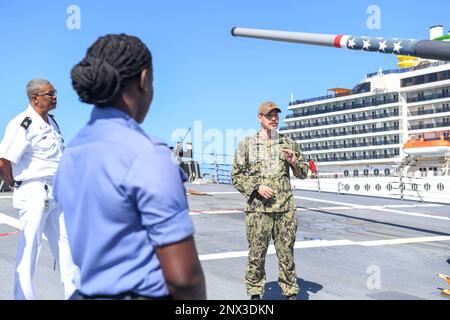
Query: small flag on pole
{"points": [[312, 167]]}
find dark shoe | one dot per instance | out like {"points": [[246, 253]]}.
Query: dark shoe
{"points": [[255, 297], [292, 297]]}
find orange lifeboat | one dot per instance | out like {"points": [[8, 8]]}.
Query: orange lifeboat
{"points": [[421, 147]]}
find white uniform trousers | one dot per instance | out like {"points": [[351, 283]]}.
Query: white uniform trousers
{"points": [[40, 214]]}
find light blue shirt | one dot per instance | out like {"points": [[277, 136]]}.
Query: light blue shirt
{"points": [[122, 196]]}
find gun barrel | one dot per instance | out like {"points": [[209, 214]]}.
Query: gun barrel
{"points": [[428, 49]]}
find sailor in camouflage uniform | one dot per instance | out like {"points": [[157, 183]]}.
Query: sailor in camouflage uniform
{"points": [[261, 173]]}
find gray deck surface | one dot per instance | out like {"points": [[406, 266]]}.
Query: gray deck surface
{"points": [[334, 258]]}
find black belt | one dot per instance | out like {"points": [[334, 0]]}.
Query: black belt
{"points": [[77, 295], [18, 183]]}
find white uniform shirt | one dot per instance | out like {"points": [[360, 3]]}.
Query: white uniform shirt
{"points": [[34, 152]]}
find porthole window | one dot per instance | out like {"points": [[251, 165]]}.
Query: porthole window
{"points": [[347, 187], [427, 186], [389, 186], [356, 187], [378, 187], [355, 173], [346, 173], [440, 186], [415, 187], [387, 172], [367, 187], [366, 172], [376, 172]]}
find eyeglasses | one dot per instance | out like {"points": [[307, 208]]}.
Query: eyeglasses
{"points": [[51, 93], [271, 115]]}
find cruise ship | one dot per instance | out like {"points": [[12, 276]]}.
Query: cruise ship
{"points": [[391, 131]]}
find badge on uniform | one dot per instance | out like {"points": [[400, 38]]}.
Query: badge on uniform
{"points": [[47, 200], [26, 122], [46, 205]]}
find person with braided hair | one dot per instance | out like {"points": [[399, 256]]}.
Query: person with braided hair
{"points": [[125, 203]]}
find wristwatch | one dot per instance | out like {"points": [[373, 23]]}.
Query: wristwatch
{"points": [[15, 184]]}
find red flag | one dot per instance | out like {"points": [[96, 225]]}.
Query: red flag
{"points": [[312, 166]]}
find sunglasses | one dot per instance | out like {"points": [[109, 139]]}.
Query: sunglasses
{"points": [[51, 93]]}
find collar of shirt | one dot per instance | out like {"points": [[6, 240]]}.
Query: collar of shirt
{"points": [[118, 116], [36, 117], [262, 138]]}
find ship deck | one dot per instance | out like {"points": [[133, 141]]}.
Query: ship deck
{"points": [[348, 247]]}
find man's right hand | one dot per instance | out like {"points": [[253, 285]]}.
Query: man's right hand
{"points": [[266, 192], [6, 172]]}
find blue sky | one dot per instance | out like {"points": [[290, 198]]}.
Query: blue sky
{"points": [[201, 72]]}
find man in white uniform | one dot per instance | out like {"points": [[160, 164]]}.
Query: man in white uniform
{"points": [[29, 156]]}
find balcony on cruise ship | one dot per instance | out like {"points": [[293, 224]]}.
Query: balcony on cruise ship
{"points": [[356, 155], [341, 106], [360, 116], [351, 143], [428, 78], [352, 129], [431, 94], [429, 109], [429, 124]]}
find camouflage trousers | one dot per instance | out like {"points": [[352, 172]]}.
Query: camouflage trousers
{"points": [[261, 228]]}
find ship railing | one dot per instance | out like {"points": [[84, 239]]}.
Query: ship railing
{"points": [[328, 96], [429, 125], [351, 176], [434, 188], [429, 97], [350, 145], [446, 164], [390, 71], [216, 172], [342, 108], [346, 133], [381, 174], [350, 120], [433, 64], [413, 188], [368, 157], [429, 111]]}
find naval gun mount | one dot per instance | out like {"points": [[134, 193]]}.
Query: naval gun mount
{"points": [[428, 49]]}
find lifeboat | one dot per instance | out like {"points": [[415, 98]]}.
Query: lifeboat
{"points": [[421, 147]]}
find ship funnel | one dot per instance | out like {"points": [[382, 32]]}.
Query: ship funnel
{"points": [[436, 32]]}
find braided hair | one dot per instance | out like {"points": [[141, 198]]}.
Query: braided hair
{"points": [[109, 63]]}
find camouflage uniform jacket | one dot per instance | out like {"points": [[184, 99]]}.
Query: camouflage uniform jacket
{"points": [[258, 161]]}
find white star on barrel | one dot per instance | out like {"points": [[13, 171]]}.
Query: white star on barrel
{"points": [[382, 46], [397, 46], [366, 44], [351, 43]]}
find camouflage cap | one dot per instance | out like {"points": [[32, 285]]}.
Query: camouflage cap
{"points": [[267, 106]]}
